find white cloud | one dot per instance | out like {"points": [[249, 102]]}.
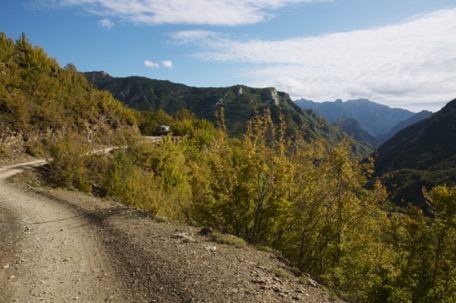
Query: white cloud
{"points": [[210, 12], [164, 63], [414, 61], [151, 64], [106, 23], [194, 36], [167, 63]]}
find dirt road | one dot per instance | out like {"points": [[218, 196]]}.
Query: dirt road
{"points": [[64, 246], [52, 254]]}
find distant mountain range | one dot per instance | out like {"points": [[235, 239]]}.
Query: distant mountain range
{"points": [[416, 151], [380, 121], [240, 104], [423, 154]]}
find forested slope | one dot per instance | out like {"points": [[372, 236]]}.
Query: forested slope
{"points": [[421, 155], [39, 100]]}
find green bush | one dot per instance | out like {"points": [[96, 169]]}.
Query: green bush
{"points": [[69, 162]]}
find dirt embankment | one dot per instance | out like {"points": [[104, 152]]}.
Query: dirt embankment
{"points": [[63, 246]]}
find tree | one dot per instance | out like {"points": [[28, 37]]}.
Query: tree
{"points": [[442, 200]]}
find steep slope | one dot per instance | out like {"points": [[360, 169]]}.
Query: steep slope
{"points": [[423, 154], [39, 100], [421, 145], [375, 118], [142, 93], [240, 104], [410, 121], [352, 128]]}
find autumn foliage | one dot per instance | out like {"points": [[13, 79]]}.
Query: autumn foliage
{"points": [[310, 202]]}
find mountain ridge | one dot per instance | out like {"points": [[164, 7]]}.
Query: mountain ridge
{"points": [[240, 103]]}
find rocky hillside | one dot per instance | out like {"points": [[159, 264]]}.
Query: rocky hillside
{"points": [[240, 104], [423, 154]]}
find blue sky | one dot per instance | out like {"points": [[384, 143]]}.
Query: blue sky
{"points": [[401, 53]]}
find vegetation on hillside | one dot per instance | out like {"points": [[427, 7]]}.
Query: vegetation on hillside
{"points": [[40, 100], [352, 128], [421, 155], [310, 201]]}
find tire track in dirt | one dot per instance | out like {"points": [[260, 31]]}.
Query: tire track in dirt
{"points": [[51, 252]]}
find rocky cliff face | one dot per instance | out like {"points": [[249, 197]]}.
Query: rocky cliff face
{"points": [[10, 138]]}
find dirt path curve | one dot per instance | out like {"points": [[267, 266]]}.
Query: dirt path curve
{"points": [[51, 253]]}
